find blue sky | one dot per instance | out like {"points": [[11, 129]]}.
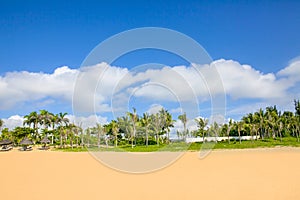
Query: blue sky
{"points": [[42, 36]]}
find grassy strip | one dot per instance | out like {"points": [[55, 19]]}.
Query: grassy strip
{"points": [[181, 146]]}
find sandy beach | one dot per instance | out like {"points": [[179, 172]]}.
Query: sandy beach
{"points": [[231, 174]]}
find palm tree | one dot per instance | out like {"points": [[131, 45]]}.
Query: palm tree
{"points": [[230, 125], [115, 131], [100, 131], [183, 119], [70, 130], [32, 118], [202, 123], [157, 125], [214, 128], [76, 131], [239, 126], [134, 119], [125, 126], [146, 122], [260, 117], [167, 122], [62, 121], [45, 119]]}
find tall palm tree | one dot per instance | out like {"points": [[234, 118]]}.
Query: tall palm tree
{"points": [[146, 122], [115, 131], [157, 125], [230, 125], [167, 122], [202, 123], [260, 117], [183, 119], [134, 119], [125, 126], [240, 126], [63, 122], [100, 131], [32, 119], [214, 129], [45, 119]]}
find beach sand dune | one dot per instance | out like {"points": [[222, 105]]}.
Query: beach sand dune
{"points": [[235, 174]]}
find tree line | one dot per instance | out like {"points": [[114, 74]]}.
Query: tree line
{"points": [[152, 129]]}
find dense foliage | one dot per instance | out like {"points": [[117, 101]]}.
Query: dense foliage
{"points": [[153, 129]]}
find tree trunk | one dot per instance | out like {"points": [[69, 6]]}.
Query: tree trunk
{"points": [[71, 142], [239, 131], [297, 134], [60, 137], [228, 133], [147, 139]]}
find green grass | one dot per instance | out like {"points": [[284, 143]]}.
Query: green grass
{"points": [[181, 146]]}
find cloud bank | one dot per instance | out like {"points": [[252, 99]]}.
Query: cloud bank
{"points": [[102, 86]]}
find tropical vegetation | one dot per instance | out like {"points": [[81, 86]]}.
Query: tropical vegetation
{"points": [[151, 132]]}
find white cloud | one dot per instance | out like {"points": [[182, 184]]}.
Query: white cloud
{"points": [[154, 108], [96, 87], [291, 72], [20, 87], [243, 81], [13, 121], [87, 122]]}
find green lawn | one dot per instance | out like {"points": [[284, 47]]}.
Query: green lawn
{"points": [[181, 146]]}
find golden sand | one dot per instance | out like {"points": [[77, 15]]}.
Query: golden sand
{"points": [[235, 174]]}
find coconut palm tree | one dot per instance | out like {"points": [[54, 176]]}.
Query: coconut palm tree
{"points": [[260, 117], [115, 131], [45, 119], [214, 129], [62, 121], [239, 125], [100, 132], [230, 125], [125, 126], [32, 119], [167, 122], [146, 122], [157, 125], [134, 119], [201, 123], [183, 119]]}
